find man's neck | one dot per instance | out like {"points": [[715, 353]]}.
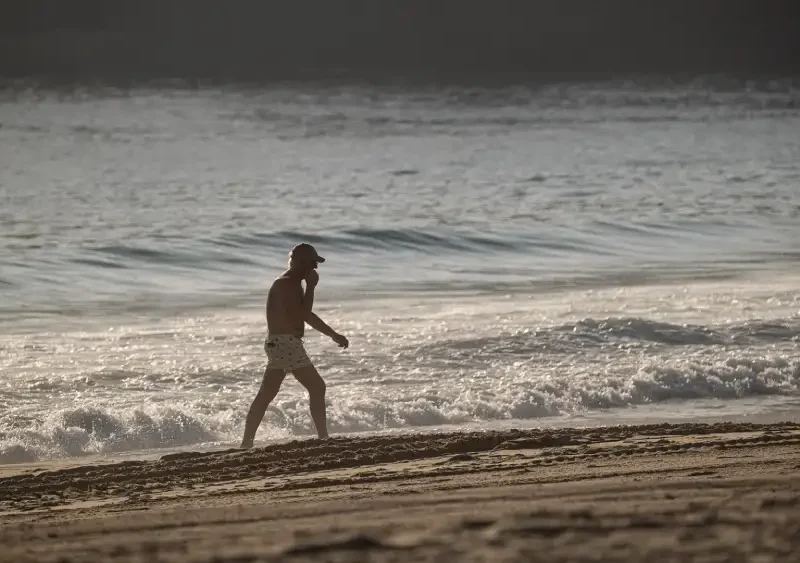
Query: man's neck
{"points": [[293, 274]]}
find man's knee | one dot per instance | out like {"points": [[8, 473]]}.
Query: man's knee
{"points": [[270, 384], [311, 380], [317, 387]]}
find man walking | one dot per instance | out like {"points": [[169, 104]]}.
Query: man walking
{"points": [[288, 309]]}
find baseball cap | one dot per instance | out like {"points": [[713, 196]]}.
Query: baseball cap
{"points": [[305, 251]]}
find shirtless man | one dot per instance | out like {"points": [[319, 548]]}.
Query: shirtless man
{"points": [[288, 309]]}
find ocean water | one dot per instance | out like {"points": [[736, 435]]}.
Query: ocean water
{"points": [[531, 255]]}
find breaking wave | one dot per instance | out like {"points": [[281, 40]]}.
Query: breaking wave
{"points": [[518, 391]]}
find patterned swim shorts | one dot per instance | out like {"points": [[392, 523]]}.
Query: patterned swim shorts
{"points": [[285, 352]]}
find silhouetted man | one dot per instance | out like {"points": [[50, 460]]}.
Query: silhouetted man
{"points": [[288, 309]]}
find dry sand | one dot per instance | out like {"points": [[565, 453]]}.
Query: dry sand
{"points": [[705, 492]]}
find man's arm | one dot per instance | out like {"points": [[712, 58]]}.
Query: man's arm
{"points": [[308, 298], [318, 324], [312, 319], [308, 301]]}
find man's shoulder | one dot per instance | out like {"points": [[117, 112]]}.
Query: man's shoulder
{"points": [[286, 279], [285, 282]]}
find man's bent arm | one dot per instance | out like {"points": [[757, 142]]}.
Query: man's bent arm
{"points": [[308, 301], [318, 324]]}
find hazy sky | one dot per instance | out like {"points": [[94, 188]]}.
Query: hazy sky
{"points": [[255, 40]]}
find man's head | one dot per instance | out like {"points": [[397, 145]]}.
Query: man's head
{"points": [[304, 257]]}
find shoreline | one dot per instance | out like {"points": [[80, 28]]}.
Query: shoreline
{"points": [[648, 415]]}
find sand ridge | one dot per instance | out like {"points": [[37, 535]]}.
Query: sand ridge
{"points": [[700, 490], [282, 463]]}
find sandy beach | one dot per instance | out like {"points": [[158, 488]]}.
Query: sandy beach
{"points": [[710, 492]]}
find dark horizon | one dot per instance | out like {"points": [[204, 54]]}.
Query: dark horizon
{"points": [[250, 40]]}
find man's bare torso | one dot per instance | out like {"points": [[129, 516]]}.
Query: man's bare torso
{"points": [[285, 307]]}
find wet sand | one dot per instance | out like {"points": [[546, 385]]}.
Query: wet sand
{"points": [[670, 492]]}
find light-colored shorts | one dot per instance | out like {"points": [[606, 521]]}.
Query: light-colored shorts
{"points": [[285, 352]]}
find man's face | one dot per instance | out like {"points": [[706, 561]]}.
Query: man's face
{"points": [[304, 258], [306, 264]]}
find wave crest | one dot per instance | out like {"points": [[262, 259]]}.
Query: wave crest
{"points": [[85, 431]]}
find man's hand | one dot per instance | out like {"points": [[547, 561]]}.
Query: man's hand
{"points": [[312, 278], [341, 340]]}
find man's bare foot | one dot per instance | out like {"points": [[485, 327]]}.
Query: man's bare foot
{"points": [[246, 445]]}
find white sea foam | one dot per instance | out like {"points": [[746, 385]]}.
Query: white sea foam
{"points": [[414, 363]]}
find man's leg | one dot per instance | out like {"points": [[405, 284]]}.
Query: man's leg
{"points": [[269, 388], [311, 380]]}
